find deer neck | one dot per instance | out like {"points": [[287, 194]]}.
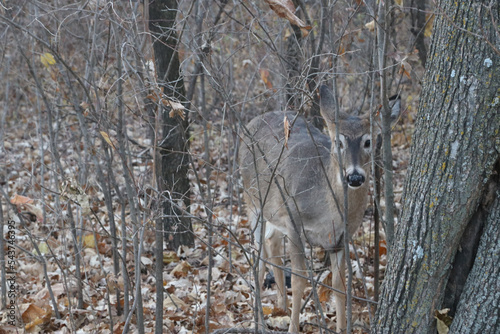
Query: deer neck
{"points": [[356, 198]]}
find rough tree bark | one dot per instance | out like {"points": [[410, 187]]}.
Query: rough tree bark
{"points": [[452, 188], [172, 143]]}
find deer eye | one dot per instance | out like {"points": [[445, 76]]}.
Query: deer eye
{"points": [[340, 144], [368, 143]]}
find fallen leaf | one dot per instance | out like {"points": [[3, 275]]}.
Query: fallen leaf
{"points": [[382, 247], [19, 200], [280, 323], [26, 205], [169, 257], [36, 318], [34, 210], [89, 240], [267, 310], [181, 270], [173, 303], [324, 292], [146, 261], [47, 59], [443, 320], [43, 247]]}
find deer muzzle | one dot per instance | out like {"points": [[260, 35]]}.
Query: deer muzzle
{"points": [[355, 179]]}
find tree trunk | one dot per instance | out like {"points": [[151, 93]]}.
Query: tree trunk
{"points": [[418, 22], [479, 304], [172, 143], [452, 176]]}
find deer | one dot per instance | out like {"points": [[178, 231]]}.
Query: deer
{"points": [[293, 187]]}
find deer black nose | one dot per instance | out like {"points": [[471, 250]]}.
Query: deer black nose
{"points": [[355, 179]]}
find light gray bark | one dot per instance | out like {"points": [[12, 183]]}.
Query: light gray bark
{"points": [[455, 147], [478, 309]]}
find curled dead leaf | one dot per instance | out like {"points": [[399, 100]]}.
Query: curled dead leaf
{"points": [[169, 257], [324, 293], [177, 109], [267, 310], [19, 200], [382, 247], [286, 9], [25, 205], [107, 139], [36, 318], [443, 320], [173, 303], [370, 26], [405, 69], [288, 129], [181, 270], [72, 190]]}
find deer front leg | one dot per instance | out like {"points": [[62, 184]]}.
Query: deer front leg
{"points": [[297, 258], [338, 283], [274, 243]]}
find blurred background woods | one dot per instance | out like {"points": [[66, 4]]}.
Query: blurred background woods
{"points": [[119, 127]]}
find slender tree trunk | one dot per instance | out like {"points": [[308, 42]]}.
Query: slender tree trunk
{"points": [[172, 143], [418, 22], [451, 176]]}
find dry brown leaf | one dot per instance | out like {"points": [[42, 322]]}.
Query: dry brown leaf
{"points": [[107, 139], [382, 247], [267, 310], [8, 329], [443, 320], [324, 293], [370, 26], [89, 240], [169, 257], [19, 200], [36, 318], [177, 109], [181, 270], [286, 9], [153, 96], [26, 205], [172, 303], [34, 210], [405, 69], [288, 129], [264, 76], [118, 328]]}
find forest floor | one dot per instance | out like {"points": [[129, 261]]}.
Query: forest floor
{"points": [[186, 270]]}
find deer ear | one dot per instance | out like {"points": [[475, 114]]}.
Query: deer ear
{"points": [[395, 105], [327, 105], [326, 100]]}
